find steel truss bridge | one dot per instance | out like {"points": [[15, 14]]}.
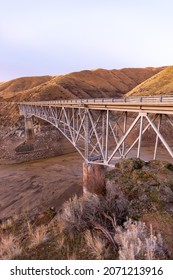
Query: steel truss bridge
{"points": [[105, 130]]}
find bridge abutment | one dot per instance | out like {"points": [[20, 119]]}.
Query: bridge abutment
{"points": [[29, 131], [94, 178]]}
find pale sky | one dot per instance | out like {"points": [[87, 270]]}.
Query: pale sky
{"points": [[52, 37]]}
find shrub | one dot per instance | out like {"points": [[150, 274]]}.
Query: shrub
{"points": [[136, 241], [78, 213]]}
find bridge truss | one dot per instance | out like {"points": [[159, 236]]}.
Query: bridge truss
{"points": [[106, 131]]}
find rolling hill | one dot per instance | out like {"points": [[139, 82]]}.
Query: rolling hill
{"points": [[84, 84], [159, 84]]}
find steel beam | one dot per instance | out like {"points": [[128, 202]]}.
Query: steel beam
{"points": [[140, 136], [106, 136], [157, 137], [124, 131], [123, 138], [160, 137]]}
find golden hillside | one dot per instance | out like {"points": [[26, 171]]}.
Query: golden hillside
{"points": [[159, 84], [83, 84], [11, 88]]}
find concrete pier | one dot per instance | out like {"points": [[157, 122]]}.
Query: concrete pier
{"points": [[29, 131], [94, 178]]}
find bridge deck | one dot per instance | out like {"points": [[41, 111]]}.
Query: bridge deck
{"points": [[162, 105]]}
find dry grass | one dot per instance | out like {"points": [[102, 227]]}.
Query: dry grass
{"points": [[9, 247], [37, 235], [97, 244], [6, 224]]}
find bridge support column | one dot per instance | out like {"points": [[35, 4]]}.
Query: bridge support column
{"points": [[94, 178], [29, 131]]}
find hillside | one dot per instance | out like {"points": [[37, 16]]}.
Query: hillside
{"points": [[159, 84], [22, 84], [96, 83]]}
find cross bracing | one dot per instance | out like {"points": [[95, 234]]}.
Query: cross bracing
{"points": [[106, 130]]}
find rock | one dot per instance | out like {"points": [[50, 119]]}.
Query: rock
{"points": [[24, 148], [169, 166], [130, 165]]}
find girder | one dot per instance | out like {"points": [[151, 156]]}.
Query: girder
{"points": [[103, 132]]}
